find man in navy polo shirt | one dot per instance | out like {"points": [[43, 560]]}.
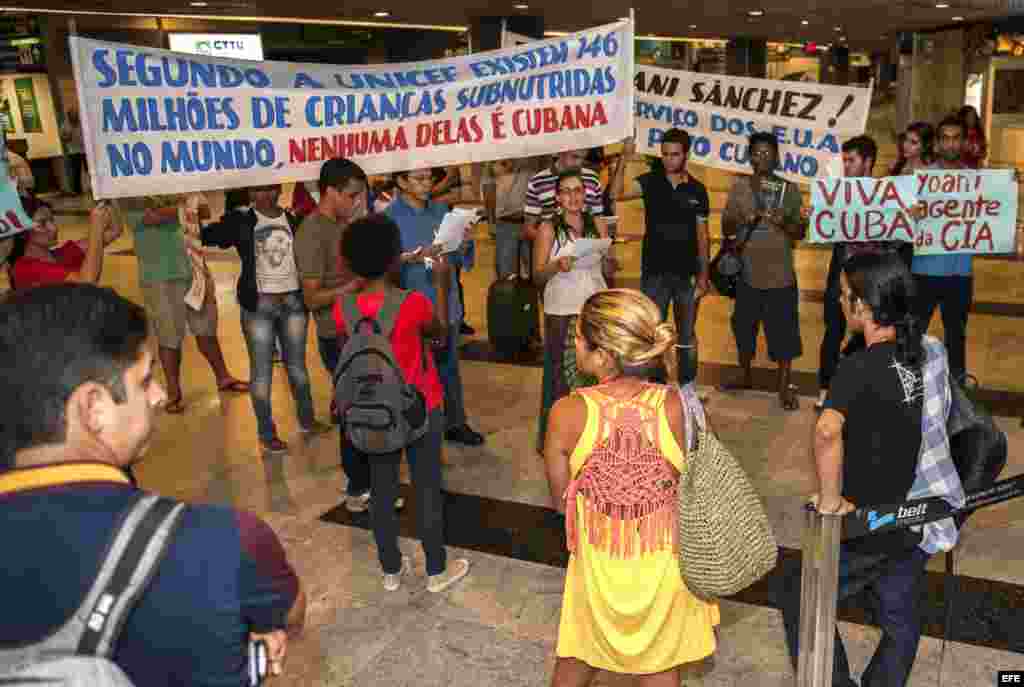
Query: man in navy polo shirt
{"points": [[674, 261], [76, 357], [418, 218]]}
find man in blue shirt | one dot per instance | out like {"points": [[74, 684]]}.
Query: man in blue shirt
{"points": [[418, 218], [77, 358], [947, 281]]}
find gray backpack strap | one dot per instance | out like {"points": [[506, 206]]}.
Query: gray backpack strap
{"points": [[129, 566], [350, 313], [388, 313]]}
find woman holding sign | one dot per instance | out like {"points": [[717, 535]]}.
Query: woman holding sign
{"points": [[567, 286], [37, 260]]}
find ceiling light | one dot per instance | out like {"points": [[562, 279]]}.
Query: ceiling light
{"points": [[839, 28], [804, 22], [382, 13], [941, 5], [522, 6], [756, 13], [958, 18], [693, 26], [198, 4]]}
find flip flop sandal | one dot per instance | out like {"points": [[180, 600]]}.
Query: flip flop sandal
{"points": [[175, 407], [235, 386]]}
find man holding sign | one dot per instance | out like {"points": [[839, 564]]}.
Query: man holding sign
{"points": [[947, 281], [859, 154]]}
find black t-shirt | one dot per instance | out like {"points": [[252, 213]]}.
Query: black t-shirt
{"points": [[881, 401], [670, 237]]}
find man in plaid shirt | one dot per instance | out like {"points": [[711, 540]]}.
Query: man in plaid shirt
{"points": [[881, 439]]}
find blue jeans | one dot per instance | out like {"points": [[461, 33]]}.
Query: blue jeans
{"points": [[282, 317], [679, 291], [896, 583], [353, 464], [447, 361], [508, 248]]}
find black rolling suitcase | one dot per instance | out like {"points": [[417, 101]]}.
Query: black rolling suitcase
{"points": [[513, 312]]}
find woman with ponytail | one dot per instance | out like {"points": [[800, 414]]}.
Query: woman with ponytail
{"points": [[613, 453], [870, 449]]}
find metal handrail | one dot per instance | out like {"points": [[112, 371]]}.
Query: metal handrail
{"points": [[819, 584]]}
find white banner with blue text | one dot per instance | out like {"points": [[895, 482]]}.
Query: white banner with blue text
{"points": [[157, 122], [810, 121]]}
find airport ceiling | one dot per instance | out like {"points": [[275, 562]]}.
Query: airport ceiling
{"points": [[861, 22]]}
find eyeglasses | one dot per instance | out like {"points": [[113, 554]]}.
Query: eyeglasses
{"points": [[761, 153]]}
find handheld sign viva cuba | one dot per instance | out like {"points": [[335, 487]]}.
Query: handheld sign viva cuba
{"points": [[862, 209]]}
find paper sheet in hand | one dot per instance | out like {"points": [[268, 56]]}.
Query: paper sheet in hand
{"points": [[452, 231], [589, 252]]}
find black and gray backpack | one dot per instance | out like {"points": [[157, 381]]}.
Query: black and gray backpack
{"points": [[380, 412], [78, 653]]}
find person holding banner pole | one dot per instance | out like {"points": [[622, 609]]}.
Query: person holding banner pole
{"points": [[167, 277], [766, 211], [882, 439], [674, 261], [35, 259]]}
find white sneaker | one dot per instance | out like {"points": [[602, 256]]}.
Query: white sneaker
{"points": [[393, 581], [358, 503], [455, 571]]}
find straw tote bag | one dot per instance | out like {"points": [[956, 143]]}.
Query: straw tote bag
{"points": [[725, 540]]}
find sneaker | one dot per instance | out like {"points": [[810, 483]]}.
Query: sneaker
{"points": [[455, 571], [819, 405], [274, 446], [358, 503], [393, 581], [315, 429]]}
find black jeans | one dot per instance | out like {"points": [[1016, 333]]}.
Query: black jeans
{"points": [[424, 458], [835, 322], [896, 583], [353, 464], [953, 295]]}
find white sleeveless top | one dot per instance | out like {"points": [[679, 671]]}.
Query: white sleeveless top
{"points": [[566, 292]]}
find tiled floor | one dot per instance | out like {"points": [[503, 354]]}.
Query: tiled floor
{"points": [[499, 626]]}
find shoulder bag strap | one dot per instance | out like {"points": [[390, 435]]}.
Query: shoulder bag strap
{"points": [[129, 567], [387, 316], [350, 313]]}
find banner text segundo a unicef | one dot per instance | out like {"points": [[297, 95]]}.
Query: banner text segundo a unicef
{"points": [[156, 120]]}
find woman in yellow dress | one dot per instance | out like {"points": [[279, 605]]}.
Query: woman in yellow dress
{"points": [[613, 453]]}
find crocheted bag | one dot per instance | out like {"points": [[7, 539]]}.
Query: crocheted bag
{"points": [[725, 540]]}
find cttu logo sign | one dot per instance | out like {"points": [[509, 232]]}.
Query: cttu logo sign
{"points": [[240, 46]]}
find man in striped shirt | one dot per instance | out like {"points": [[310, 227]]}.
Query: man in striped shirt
{"points": [[540, 191]]}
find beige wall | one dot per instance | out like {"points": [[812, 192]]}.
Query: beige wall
{"points": [[939, 75]]}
